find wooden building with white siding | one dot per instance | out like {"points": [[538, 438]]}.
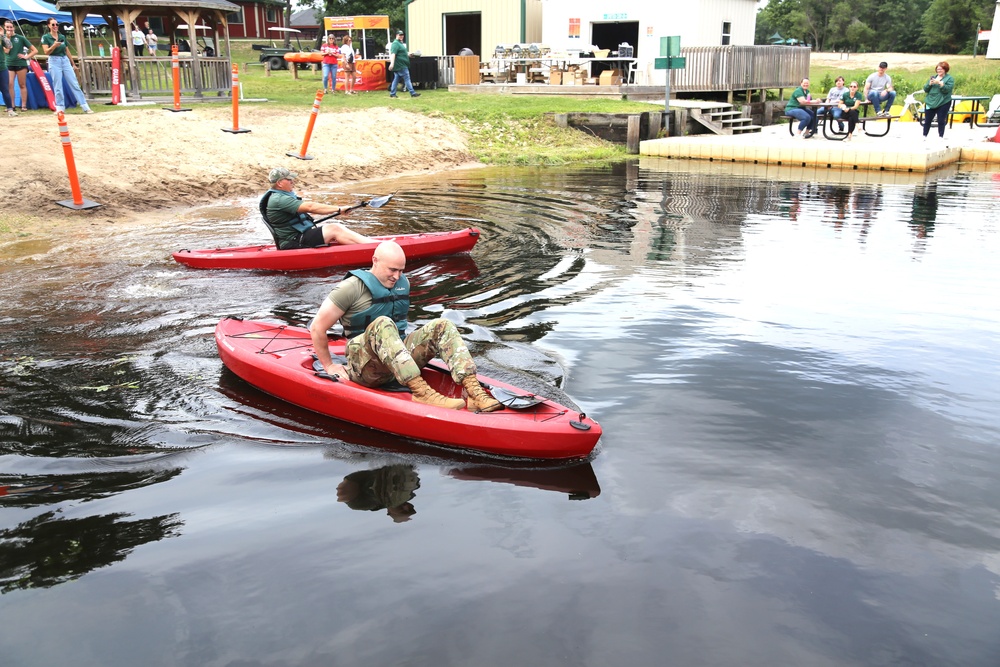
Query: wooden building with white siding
{"points": [[445, 27], [604, 24]]}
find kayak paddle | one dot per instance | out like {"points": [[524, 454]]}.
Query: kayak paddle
{"points": [[378, 202]]}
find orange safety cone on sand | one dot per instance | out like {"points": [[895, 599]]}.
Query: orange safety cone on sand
{"points": [[236, 129], [78, 202], [309, 130], [176, 66], [996, 137]]}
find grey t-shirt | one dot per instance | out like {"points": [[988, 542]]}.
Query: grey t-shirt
{"points": [[877, 83]]}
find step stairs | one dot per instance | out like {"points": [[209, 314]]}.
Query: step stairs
{"points": [[722, 118]]}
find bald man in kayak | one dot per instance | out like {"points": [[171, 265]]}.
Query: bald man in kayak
{"points": [[288, 215], [372, 305]]}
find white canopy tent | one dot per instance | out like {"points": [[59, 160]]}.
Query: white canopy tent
{"points": [[39, 11]]}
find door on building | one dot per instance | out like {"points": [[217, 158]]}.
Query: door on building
{"points": [[464, 31], [610, 36]]}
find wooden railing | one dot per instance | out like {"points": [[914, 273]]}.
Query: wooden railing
{"points": [[155, 76], [732, 68]]}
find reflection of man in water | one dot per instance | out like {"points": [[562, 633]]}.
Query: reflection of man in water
{"points": [[389, 488]]}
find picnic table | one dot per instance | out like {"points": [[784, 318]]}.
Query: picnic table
{"points": [[978, 110], [826, 121]]}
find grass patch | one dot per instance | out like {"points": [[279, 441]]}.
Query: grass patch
{"points": [[973, 76], [502, 129]]}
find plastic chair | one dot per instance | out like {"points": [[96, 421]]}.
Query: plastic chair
{"points": [[913, 106], [993, 112]]}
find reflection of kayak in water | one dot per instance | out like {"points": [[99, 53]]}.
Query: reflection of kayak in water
{"points": [[578, 481], [278, 359], [267, 257], [304, 57]]}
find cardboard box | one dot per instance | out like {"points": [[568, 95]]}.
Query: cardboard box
{"points": [[555, 78], [610, 77], [570, 80]]}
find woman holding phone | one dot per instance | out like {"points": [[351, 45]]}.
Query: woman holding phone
{"points": [[938, 100]]}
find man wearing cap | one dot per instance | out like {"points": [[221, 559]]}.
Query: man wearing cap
{"points": [[399, 65], [288, 216], [878, 88]]}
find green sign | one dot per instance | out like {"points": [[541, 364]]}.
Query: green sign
{"points": [[670, 46], [669, 63]]}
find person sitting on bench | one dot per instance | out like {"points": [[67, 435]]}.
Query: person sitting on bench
{"points": [[287, 215]]}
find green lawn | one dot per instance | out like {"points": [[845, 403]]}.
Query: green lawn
{"points": [[503, 129], [973, 76]]}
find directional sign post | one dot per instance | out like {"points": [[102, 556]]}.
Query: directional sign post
{"points": [[670, 52]]}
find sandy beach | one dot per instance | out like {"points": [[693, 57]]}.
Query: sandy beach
{"points": [[143, 162]]}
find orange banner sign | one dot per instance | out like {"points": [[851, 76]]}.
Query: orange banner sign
{"points": [[370, 75], [356, 22]]}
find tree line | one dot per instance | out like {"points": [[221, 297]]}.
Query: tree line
{"points": [[906, 26]]}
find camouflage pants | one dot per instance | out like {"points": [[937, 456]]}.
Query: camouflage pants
{"points": [[378, 355]]}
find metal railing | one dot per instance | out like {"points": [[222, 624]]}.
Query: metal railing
{"points": [[732, 68], [155, 76]]}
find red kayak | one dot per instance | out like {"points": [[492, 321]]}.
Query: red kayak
{"points": [[278, 360], [269, 258]]}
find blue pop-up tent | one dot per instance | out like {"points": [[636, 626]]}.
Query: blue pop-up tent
{"points": [[39, 11]]}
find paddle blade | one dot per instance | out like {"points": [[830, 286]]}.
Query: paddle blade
{"points": [[515, 401], [379, 202]]}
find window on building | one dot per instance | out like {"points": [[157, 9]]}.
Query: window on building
{"points": [[235, 17], [727, 29], [272, 15], [155, 23]]}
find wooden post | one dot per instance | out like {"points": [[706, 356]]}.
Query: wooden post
{"points": [[295, 69], [632, 138], [655, 120]]}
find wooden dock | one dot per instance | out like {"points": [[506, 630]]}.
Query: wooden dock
{"points": [[903, 150]]}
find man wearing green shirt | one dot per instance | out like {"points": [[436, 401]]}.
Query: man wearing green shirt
{"points": [[288, 216], [399, 65]]}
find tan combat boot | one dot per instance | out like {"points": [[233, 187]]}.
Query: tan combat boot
{"points": [[422, 393], [479, 400]]}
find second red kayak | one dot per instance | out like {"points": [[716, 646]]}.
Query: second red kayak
{"points": [[268, 258]]}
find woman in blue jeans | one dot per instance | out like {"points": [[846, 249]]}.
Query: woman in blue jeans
{"points": [[796, 109], [331, 54], [61, 68]]}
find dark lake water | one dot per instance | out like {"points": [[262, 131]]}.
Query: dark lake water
{"points": [[797, 380]]}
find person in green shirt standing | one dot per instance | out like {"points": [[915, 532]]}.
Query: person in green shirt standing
{"points": [[938, 100], [61, 68], [21, 51], [8, 98], [399, 65]]}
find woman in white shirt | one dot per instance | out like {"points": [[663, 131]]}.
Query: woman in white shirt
{"points": [[138, 40], [347, 51], [151, 42]]}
